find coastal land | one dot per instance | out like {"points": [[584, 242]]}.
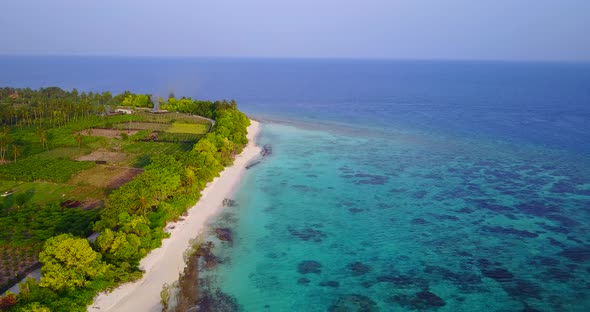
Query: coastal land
{"points": [[164, 264], [98, 178]]}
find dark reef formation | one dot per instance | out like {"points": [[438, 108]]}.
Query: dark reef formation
{"points": [[309, 267], [205, 252], [266, 150], [307, 234], [330, 284], [303, 281], [216, 301], [353, 303], [358, 268], [420, 301], [224, 234]]}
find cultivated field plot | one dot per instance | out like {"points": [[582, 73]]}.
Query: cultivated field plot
{"points": [[177, 137], [141, 152], [40, 169], [178, 117], [154, 126], [107, 133], [188, 128], [105, 177], [167, 118], [64, 152], [15, 262]]}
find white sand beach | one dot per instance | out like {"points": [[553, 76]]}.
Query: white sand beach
{"points": [[164, 264]]}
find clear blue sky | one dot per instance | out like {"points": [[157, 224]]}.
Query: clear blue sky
{"points": [[416, 29]]}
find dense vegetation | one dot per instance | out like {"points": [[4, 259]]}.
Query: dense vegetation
{"points": [[132, 221], [202, 108]]}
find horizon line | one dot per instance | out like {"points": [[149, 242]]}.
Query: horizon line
{"points": [[311, 58]]}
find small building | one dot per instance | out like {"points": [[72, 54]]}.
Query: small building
{"points": [[126, 111]]}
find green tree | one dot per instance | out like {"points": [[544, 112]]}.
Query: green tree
{"points": [[101, 109], [119, 247], [129, 243], [142, 100], [188, 178], [69, 262], [128, 99]]}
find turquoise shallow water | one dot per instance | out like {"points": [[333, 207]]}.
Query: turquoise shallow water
{"points": [[349, 220]]}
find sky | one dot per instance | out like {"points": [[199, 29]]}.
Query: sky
{"points": [[552, 30]]}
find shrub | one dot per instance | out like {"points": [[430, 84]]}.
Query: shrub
{"points": [[165, 296], [7, 301]]}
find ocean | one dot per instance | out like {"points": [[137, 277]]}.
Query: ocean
{"points": [[393, 185]]}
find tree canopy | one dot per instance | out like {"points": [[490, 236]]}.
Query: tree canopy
{"points": [[69, 262]]}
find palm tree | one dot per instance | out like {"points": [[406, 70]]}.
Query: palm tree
{"points": [[17, 151], [42, 136], [4, 141], [78, 137], [144, 201]]}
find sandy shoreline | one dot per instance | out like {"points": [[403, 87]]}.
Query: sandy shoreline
{"points": [[164, 264]]}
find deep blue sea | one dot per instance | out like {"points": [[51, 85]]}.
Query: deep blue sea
{"points": [[393, 185]]}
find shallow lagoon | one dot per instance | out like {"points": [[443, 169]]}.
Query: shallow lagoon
{"points": [[394, 221]]}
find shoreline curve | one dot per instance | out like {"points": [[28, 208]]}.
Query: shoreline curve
{"points": [[164, 264]]}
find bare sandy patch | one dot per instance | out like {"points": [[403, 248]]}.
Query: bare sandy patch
{"points": [[103, 155], [105, 177]]}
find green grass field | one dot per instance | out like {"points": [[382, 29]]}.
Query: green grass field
{"points": [[37, 192]]}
